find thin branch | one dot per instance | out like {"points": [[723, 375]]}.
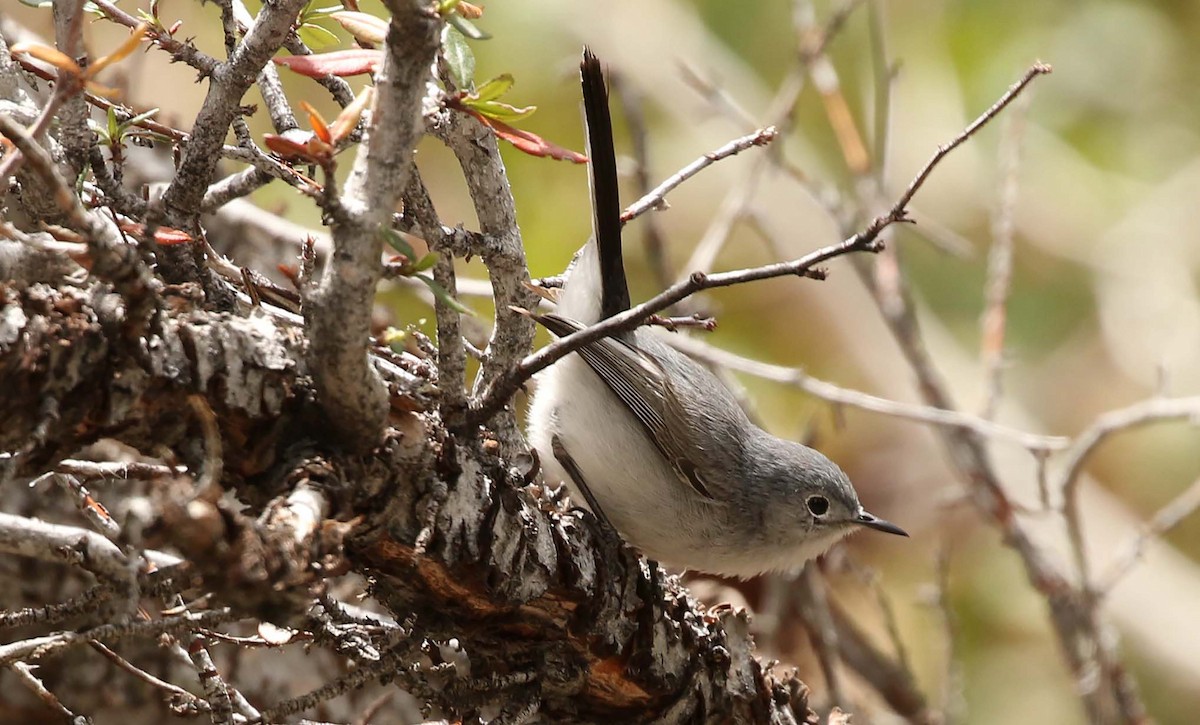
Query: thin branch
{"points": [[1107, 691], [67, 544], [476, 149], [180, 698], [1165, 519], [813, 605], [228, 82], [499, 393], [55, 644], [656, 197], [91, 470], [26, 677], [639, 139], [1000, 261], [1150, 411], [897, 213], [451, 354]]}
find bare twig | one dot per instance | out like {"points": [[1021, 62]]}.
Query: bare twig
{"points": [[639, 138], [26, 677], [179, 697], [1000, 260], [498, 394], [67, 544], [54, 644], [1150, 411], [1163, 520], [228, 82], [953, 701], [657, 196], [512, 335], [813, 605], [1106, 689]]}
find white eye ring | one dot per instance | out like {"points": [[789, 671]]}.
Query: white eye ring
{"points": [[817, 505]]}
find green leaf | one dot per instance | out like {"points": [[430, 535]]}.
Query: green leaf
{"points": [[38, 3], [101, 132], [114, 126], [444, 296], [317, 37], [467, 28], [395, 241], [445, 7], [500, 111], [146, 115], [459, 57], [494, 88], [425, 262]]}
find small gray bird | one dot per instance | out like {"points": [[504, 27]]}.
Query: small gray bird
{"points": [[658, 448]]}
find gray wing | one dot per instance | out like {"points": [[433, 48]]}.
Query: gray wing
{"points": [[638, 380]]}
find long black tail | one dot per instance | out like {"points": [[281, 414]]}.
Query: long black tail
{"points": [[606, 200]]}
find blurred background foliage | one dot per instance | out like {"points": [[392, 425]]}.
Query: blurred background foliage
{"points": [[1104, 308]]}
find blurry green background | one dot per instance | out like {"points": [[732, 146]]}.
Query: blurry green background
{"points": [[1104, 300]]}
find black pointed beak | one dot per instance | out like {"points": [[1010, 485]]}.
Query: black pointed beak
{"points": [[872, 521]]}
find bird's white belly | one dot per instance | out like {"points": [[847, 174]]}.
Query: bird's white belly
{"points": [[639, 493]]}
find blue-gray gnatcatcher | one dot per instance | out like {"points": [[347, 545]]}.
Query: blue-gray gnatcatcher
{"points": [[655, 444]]}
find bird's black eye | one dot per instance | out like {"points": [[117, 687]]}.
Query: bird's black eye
{"points": [[818, 505]]}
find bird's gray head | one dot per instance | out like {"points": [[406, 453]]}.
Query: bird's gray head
{"points": [[806, 494]]}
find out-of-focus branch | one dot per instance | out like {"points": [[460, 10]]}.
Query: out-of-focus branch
{"points": [[54, 644], [1149, 411], [1107, 691], [338, 311], [1166, 518], [1000, 262]]}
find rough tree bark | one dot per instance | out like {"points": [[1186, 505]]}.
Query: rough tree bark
{"points": [[286, 465]]}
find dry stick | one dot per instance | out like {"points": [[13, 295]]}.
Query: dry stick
{"points": [[735, 205], [1106, 689], [92, 470], [26, 677], [891, 679], [837, 110], [635, 121], [1115, 421], [54, 644], [172, 691], [1000, 261], [505, 386], [475, 148], [654, 198], [814, 608], [867, 240], [228, 82], [883, 72], [1179, 508], [953, 700]]}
